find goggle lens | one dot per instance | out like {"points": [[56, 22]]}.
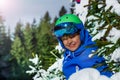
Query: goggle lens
{"points": [[65, 28]]}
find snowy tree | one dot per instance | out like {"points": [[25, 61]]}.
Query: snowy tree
{"points": [[102, 21], [101, 18], [54, 72]]}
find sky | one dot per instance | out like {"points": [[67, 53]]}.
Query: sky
{"points": [[26, 10]]}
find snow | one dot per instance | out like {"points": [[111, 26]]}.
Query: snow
{"points": [[85, 74], [99, 35], [92, 74], [115, 4], [116, 76], [52, 73], [59, 48], [81, 10], [32, 70], [56, 65], [35, 60], [114, 35], [116, 55]]}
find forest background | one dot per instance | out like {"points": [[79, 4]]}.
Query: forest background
{"points": [[28, 40]]}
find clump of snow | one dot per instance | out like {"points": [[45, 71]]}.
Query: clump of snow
{"points": [[33, 69], [99, 35], [92, 74], [116, 76], [116, 55], [35, 60], [86, 74], [41, 75], [59, 48], [114, 35], [56, 65], [102, 77], [81, 10], [115, 5]]}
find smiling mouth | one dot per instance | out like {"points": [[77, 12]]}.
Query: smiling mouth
{"points": [[72, 44]]}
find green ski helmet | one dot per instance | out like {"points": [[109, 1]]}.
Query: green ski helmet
{"points": [[68, 18], [67, 24]]}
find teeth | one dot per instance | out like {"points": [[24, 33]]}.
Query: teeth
{"points": [[71, 44]]}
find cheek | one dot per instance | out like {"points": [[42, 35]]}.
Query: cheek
{"points": [[78, 41], [64, 42]]}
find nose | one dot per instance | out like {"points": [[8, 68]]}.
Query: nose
{"points": [[69, 40]]}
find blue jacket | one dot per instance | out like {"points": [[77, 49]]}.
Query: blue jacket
{"points": [[81, 58]]}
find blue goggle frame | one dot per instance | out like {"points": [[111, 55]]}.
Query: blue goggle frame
{"points": [[65, 28]]}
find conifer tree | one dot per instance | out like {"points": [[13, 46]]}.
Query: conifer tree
{"points": [[5, 46], [23, 44], [45, 41], [33, 33], [21, 51], [62, 11], [28, 39], [100, 22]]}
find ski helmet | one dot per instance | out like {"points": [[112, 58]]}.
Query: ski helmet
{"points": [[68, 18], [67, 24]]}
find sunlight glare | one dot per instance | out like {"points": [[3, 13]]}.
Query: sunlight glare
{"points": [[6, 5], [2, 2]]}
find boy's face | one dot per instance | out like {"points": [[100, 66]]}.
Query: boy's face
{"points": [[71, 42]]}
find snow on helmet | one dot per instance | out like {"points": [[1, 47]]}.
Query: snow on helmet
{"points": [[67, 24]]}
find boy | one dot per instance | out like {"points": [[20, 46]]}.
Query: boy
{"points": [[79, 47]]}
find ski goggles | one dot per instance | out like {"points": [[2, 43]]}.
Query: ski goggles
{"points": [[65, 28]]}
